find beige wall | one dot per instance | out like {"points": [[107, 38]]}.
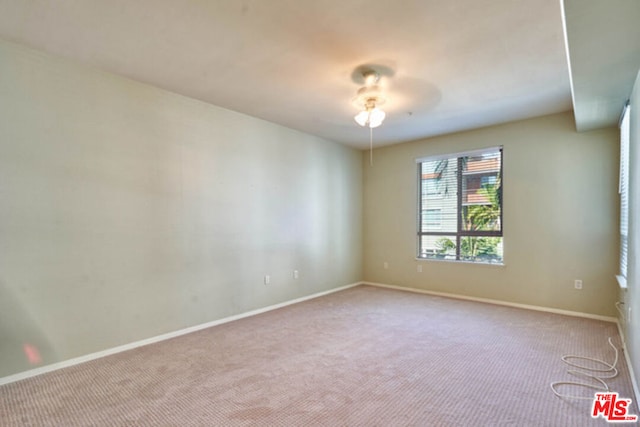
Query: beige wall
{"points": [[127, 211], [560, 217], [631, 297]]}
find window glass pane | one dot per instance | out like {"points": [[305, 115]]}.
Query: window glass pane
{"points": [[481, 196], [481, 249], [439, 191], [438, 247]]}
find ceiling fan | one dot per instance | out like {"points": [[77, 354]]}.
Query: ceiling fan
{"points": [[376, 82], [369, 98]]}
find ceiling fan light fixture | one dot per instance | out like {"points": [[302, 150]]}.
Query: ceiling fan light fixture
{"points": [[376, 116], [362, 118], [371, 116]]}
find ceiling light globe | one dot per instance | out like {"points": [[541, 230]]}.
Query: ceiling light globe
{"points": [[376, 116], [362, 117]]}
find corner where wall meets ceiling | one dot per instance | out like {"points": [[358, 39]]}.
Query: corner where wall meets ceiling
{"points": [[603, 44]]}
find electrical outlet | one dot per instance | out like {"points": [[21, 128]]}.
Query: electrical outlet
{"points": [[295, 274], [386, 265], [419, 268], [267, 279], [577, 284], [629, 316]]}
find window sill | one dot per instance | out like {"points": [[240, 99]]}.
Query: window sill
{"points": [[453, 261], [622, 282]]}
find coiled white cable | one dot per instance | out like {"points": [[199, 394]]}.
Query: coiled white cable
{"points": [[596, 375]]}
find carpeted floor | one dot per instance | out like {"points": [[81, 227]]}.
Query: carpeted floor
{"points": [[365, 356]]}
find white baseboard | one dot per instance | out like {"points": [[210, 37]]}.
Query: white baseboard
{"points": [[497, 302], [92, 356]]}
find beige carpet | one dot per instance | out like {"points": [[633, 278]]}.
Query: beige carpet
{"points": [[361, 357]]}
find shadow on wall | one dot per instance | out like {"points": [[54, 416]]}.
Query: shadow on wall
{"points": [[23, 345]]}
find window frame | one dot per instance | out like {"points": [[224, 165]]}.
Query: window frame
{"points": [[460, 233]]}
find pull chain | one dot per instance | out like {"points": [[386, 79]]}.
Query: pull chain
{"points": [[370, 146]]}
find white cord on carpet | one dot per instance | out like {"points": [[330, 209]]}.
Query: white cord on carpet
{"points": [[596, 375]]}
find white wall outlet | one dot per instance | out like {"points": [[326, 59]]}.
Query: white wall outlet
{"points": [[295, 274], [577, 284], [267, 279], [419, 268], [385, 265]]}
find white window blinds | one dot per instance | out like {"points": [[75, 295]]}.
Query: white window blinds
{"points": [[624, 189]]}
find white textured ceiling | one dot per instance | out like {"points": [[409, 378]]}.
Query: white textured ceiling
{"points": [[452, 65]]}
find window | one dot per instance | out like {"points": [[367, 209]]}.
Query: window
{"points": [[623, 189], [464, 221]]}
